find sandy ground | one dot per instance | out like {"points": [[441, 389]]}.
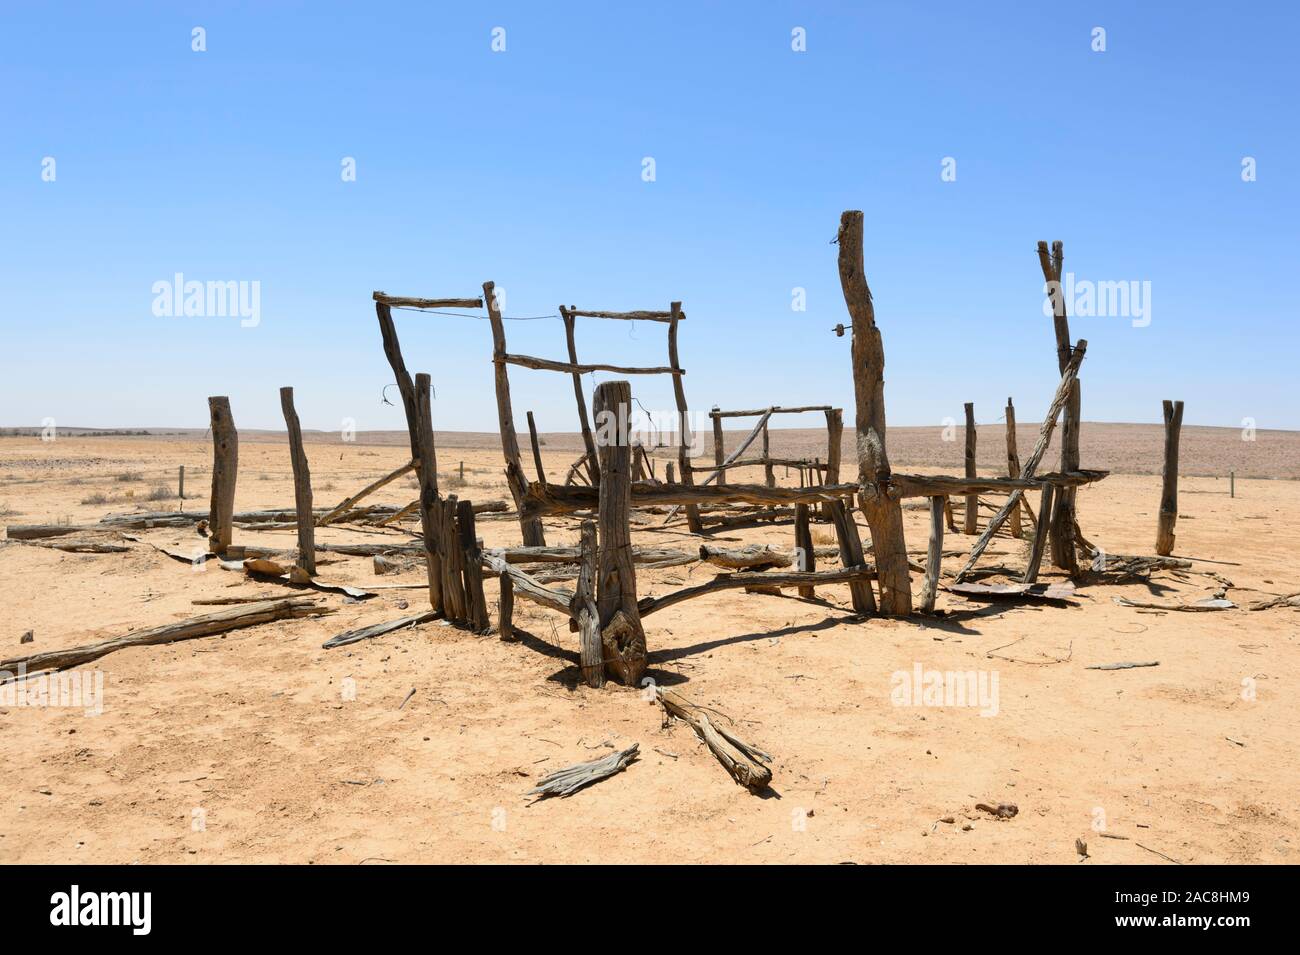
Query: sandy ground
{"points": [[246, 748]]}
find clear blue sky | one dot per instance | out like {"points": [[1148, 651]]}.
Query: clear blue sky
{"points": [[525, 167]]}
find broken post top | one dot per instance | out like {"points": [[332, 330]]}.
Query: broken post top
{"points": [[398, 301]]}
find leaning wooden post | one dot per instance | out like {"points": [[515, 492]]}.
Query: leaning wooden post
{"points": [[1040, 535], [881, 505], [301, 485], [1062, 518], [225, 470], [972, 500], [1013, 466], [846, 534], [419, 429], [622, 636], [718, 449], [1169, 489], [683, 418], [593, 466], [531, 526], [590, 651], [934, 558], [537, 450], [430, 505], [803, 544]]}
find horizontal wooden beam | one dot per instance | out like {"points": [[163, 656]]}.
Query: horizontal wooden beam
{"points": [[398, 301], [545, 364], [648, 605], [934, 485], [755, 412], [628, 316], [542, 500]]}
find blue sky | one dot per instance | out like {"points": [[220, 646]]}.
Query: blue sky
{"points": [[525, 167]]}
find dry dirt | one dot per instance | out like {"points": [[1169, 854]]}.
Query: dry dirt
{"points": [[243, 748]]}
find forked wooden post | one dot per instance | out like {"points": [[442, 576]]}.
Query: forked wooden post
{"points": [[1169, 488], [883, 511], [593, 466], [1013, 466], [972, 500], [225, 471], [718, 449], [531, 526], [622, 636], [683, 418], [934, 557], [301, 485]]}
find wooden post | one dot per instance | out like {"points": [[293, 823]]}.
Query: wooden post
{"points": [[883, 511], [769, 474], [301, 485], [718, 447], [180, 480], [1013, 466], [506, 609], [834, 444], [934, 558], [419, 427], [803, 543], [1232, 484], [593, 466], [1062, 518], [537, 450], [1040, 536], [454, 601], [1169, 489], [531, 526], [671, 474], [462, 472], [683, 419], [590, 650], [225, 471], [846, 533], [972, 500], [476, 612], [622, 636], [427, 474]]}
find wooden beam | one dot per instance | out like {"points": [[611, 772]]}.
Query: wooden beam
{"points": [[764, 578], [884, 513], [350, 502], [624, 316], [225, 471], [539, 501], [397, 301], [1173, 411], [530, 526], [622, 636], [775, 409], [573, 368], [1040, 448], [301, 484]]}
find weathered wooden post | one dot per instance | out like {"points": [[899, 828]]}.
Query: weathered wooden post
{"points": [[622, 636], [717, 447], [593, 466], [301, 485], [1232, 484], [882, 508], [1041, 532], [530, 526], [803, 544], [455, 602], [180, 482], [537, 450], [934, 557], [1062, 518], [671, 474], [590, 650], [769, 475], [1013, 466], [506, 609], [972, 500], [476, 613], [683, 418], [225, 471], [1169, 489]]}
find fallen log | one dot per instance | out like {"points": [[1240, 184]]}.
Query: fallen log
{"points": [[80, 546], [567, 781], [221, 621], [1206, 604], [348, 503], [1122, 666], [743, 761], [1021, 591], [530, 588], [379, 629], [649, 605], [753, 557]]}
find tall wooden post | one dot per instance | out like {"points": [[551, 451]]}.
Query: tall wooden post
{"points": [[593, 466], [590, 651], [1062, 518], [683, 418], [1169, 489], [769, 475], [803, 544], [419, 430], [1013, 466], [531, 526], [622, 635], [301, 485], [225, 471], [882, 508], [180, 486], [972, 500], [718, 448], [476, 613]]}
